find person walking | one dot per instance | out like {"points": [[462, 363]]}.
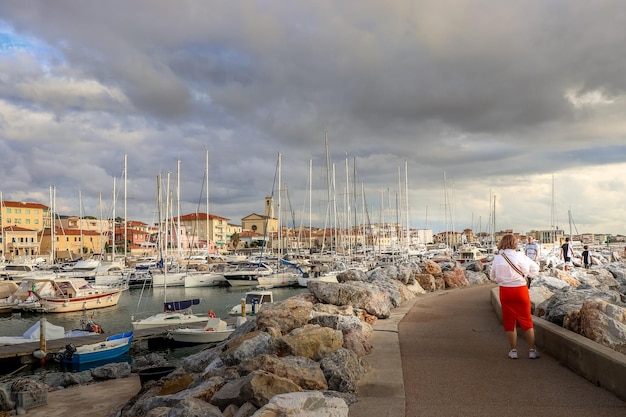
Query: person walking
{"points": [[566, 253], [510, 269], [532, 249], [586, 255]]}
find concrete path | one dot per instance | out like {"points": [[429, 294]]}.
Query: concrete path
{"points": [[101, 399], [454, 361]]}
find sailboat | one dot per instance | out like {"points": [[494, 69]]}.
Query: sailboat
{"points": [[175, 313]]}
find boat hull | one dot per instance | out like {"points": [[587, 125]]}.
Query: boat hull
{"points": [[243, 281], [169, 319], [111, 348], [200, 336], [90, 302]]}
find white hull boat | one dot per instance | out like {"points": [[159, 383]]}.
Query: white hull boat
{"points": [[280, 279], [174, 279], [216, 330], [253, 302], [176, 313], [204, 279]]}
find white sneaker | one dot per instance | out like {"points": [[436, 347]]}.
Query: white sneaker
{"points": [[513, 354], [532, 354]]}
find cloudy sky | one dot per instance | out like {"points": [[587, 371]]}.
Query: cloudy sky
{"points": [[518, 101]]}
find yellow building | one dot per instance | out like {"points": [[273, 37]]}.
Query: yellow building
{"points": [[71, 244], [33, 216], [19, 223], [18, 243], [262, 224]]}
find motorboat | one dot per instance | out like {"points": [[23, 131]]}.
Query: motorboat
{"points": [[7, 289], [246, 274], [215, 330], [110, 348], [175, 313], [253, 302], [53, 294], [471, 253]]}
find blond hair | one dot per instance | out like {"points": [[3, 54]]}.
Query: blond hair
{"points": [[508, 241]]}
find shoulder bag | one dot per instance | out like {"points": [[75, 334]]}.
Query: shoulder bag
{"points": [[516, 269]]}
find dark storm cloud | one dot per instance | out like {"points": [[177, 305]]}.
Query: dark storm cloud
{"points": [[486, 91]]}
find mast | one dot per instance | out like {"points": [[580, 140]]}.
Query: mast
{"points": [[4, 246], [406, 197], [553, 215], [114, 221], [80, 221], [310, 204], [348, 214], [125, 213], [206, 223], [178, 231], [52, 234], [280, 229]]}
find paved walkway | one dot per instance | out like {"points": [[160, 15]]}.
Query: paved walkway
{"points": [[454, 361]]}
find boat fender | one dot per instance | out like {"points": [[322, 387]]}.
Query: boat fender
{"points": [[212, 314]]}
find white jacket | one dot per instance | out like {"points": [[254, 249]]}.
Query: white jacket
{"points": [[506, 276]]}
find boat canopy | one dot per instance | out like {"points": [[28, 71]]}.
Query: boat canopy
{"points": [[180, 305]]}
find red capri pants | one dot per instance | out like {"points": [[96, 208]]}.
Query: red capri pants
{"points": [[515, 306]]}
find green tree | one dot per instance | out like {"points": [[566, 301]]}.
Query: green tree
{"points": [[234, 240]]}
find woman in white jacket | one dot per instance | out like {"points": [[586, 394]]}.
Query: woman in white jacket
{"points": [[510, 269]]}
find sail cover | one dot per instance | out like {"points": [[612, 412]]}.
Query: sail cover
{"points": [[180, 305]]}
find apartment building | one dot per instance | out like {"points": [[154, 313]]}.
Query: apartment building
{"points": [[71, 244], [34, 216]]}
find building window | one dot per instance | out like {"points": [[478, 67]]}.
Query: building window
{"points": [[8, 220], [18, 211], [8, 210], [18, 221], [27, 221], [27, 211], [36, 221], [36, 211]]}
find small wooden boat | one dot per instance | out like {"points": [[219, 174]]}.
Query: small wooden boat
{"points": [[110, 348], [216, 330]]}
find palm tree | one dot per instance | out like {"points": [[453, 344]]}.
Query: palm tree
{"points": [[234, 240]]}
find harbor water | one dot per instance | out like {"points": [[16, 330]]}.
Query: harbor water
{"points": [[133, 304]]}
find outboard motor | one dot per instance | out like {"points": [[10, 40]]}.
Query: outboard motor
{"points": [[69, 351]]}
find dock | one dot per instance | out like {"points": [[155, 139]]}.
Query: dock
{"points": [[23, 352]]}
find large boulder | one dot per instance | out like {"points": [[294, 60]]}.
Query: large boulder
{"points": [[604, 323], [286, 315], [257, 387], [304, 372], [304, 404], [310, 341]]}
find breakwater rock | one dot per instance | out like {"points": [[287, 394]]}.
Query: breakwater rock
{"points": [[590, 302], [303, 356]]}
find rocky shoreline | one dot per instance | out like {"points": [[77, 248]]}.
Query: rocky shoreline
{"points": [[303, 356]]}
